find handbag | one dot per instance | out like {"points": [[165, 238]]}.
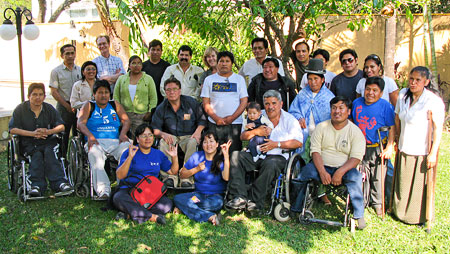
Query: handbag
{"points": [[148, 191]]}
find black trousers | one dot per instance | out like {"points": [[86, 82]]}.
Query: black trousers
{"points": [[269, 168], [228, 132], [70, 123]]}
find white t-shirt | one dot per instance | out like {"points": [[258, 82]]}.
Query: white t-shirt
{"points": [[329, 76], [132, 90], [224, 94], [389, 87], [414, 122], [252, 68]]}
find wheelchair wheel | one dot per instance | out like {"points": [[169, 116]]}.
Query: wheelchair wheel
{"points": [[292, 170], [82, 191], [74, 159], [21, 194], [281, 212], [13, 169], [306, 217]]}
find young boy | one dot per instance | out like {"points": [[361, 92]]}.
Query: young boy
{"points": [[255, 119]]}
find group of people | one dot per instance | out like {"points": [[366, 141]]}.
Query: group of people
{"points": [[331, 120]]}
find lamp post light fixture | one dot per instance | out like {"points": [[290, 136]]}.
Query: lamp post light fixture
{"points": [[8, 32]]}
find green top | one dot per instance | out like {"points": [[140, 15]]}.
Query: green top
{"points": [[145, 98]]}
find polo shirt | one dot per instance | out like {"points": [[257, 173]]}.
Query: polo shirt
{"points": [[183, 122], [63, 79]]}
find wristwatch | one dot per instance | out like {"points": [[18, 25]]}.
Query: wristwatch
{"points": [[279, 144]]}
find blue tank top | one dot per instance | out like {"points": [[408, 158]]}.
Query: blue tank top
{"points": [[104, 123]]}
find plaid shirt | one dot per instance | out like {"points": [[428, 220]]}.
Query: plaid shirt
{"points": [[108, 66]]}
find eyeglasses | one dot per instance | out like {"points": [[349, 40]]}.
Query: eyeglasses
{"points": [[172, 89], [146, 136], [135, 64], [90, 69], [349, 60]]}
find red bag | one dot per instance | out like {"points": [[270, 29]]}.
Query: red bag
{"points": [[148, 191]]}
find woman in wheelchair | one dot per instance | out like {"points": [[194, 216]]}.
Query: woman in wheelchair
{"points": [[140, 160], [211, 168], [35, 122]]}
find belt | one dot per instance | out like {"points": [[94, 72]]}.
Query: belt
{"points": [[377, 144]]}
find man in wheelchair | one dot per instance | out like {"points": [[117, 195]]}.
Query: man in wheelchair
{"points": [[179, 119], [286, 135], [100, 124], [36, 122], [337, 147]]}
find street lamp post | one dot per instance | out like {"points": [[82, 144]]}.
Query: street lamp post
{"points": [[8, 32]]}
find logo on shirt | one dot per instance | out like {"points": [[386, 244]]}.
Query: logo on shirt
{"points": [[224, 87], [114, 116], [154, 163], [364, 123]]}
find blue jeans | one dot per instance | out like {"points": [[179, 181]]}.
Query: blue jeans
{"points": [[352, 179], [203, 209]]}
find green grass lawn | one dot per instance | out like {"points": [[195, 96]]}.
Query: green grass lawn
{"points": [[77, 225]]}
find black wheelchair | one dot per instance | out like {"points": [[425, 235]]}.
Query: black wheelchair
{"points": [[18, 172]]}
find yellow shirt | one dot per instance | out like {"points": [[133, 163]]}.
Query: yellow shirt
{"points": [[337, 146]]}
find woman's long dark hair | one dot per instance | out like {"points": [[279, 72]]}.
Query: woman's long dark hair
{"points": [[218, 157], [424, 72]]}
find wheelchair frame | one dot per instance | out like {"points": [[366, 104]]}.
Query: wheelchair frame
{"points": [[18, 175]]}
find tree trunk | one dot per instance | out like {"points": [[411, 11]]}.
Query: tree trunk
{"points": [[116, 41], [425, 33], [60, 9], [389, 46], [42, 11], [432, 47]]}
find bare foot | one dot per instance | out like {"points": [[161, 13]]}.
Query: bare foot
{"points": [[176, 211]]}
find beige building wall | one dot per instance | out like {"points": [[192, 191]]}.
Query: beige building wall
{"points": [[42, 55], [409, 43]]}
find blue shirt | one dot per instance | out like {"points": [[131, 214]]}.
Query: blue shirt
{"points": [[205, 181], [369, 118], [143, 165], [104, 123]]}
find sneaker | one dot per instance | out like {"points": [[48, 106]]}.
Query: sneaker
{"points": [[160, 219], [186, 184], [65, 187], [361, 223], [256, 158], [35, 191], [236, 203], [251, 206], [169, 182]]}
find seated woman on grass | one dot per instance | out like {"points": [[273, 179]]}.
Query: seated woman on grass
{"points": [[211, 168], [140, 160]]}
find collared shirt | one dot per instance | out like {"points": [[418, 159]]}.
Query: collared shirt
{"points": [[288, 128], [414, 122], [63, 79], [81, 93], [189, 79], [108, 66], [24, 118], [252, 68], [183, 122]]}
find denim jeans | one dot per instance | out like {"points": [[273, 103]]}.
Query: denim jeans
{"points": [[352, 179], [201, 211]]}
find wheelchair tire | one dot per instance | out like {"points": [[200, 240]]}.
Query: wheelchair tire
{"points": [[82, 191], [291, 171], [281, 212], [13, 170], [305, 219], [74, 162], [21, 194]]}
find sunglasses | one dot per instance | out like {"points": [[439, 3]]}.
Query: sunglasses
{"points": [[349, 60]]}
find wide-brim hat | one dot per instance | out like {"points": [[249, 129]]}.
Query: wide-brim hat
{"points": [[315, 66]]}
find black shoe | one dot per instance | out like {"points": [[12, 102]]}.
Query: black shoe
{"points": [[186, 184], [169, 182], [121, 216], [160, 219], [35, 191], [361, 223], [237, 203]]}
